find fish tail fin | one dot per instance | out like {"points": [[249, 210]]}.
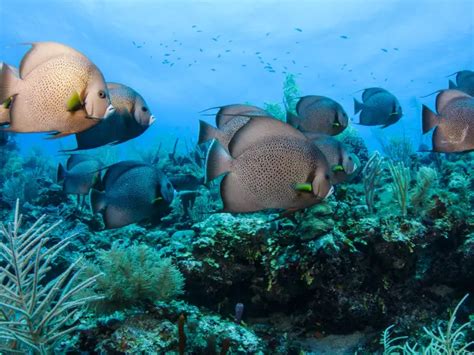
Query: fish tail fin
{"points": [[452, 85], [218, 161], [207, 132], [358, 106], [61, 174], [98, 201], [292, 119], [430, 119], [8, 82]]}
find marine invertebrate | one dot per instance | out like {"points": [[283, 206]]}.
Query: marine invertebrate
{"points": [[426, 178], [400, 183], [448, 341], [397, 149], [36, 312], [371, 177], [133, 276]]}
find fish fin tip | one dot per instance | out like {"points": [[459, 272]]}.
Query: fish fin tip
{"points": [[206, 132], [218, 161], [358, 106], [429, 119]]}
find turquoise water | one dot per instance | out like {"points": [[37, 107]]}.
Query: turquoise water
{"points": [[434, 39], [387, 251]]}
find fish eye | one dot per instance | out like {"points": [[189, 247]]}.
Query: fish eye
{"points": [[102, 94], [350, 158], [144, 109], [326, 177]]}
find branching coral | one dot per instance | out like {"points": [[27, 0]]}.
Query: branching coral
{"points": [[449, 341], [371, 177], [132, 276], [36, 313], [400, 183]]}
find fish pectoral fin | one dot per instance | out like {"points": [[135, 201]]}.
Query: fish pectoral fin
{"points": [[337, 168], [7, 103], [56, 135], [304, 187], [74, 103]]}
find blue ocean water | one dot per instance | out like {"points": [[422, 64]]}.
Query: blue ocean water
{"points": [[388, 251], [186, 56]]}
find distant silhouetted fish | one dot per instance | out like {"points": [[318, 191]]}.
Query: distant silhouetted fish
{"points": [[378, 107]]}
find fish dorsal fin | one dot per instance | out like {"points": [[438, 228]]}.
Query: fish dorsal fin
{"points": [[258, 129], [307, 101], [445, 96], [463, 75], [41, 52], [117, 170], [228, 112], [75, 159], [371, 92]]}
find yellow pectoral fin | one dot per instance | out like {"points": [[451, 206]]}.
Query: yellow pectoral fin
{"points": [[7, 103], [305, 186], [337, 168], [74, 103]]}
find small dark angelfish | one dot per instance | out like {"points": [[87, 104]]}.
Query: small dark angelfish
{"points": [[131, 118], [453, 122], [82, 173], [378, 107], [341, 162], [229, 119], [134, 191], [464, 82], [270, 165], [318, 114]]}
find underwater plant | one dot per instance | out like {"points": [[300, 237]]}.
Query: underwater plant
{"points": [[133, 276], [448, 341], [36, 313], [291, 94], [397, 149], [400, 184]]}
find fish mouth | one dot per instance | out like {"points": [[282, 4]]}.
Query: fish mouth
{"points": [[152, 120], [110, 110]]}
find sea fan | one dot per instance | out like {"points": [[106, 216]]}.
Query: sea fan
{"points": [[35, 313]]}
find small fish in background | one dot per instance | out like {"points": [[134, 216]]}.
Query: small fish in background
{"points": [[82, 173], [58, 90], [318, 114], [341, 162], [378, 107], [384, 50], [344, 37], [298, 29], [464, 82], [131, 118], [270, 165], [133, 191], [453, 122], [229, 119]]}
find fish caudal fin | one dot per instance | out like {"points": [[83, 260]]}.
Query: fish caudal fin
{"points": [[98, 200], [452, 85], [8, 82], [218, 161], [430, 119], [292, 119], [61, 173], [207, 132], [358, 106]]}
